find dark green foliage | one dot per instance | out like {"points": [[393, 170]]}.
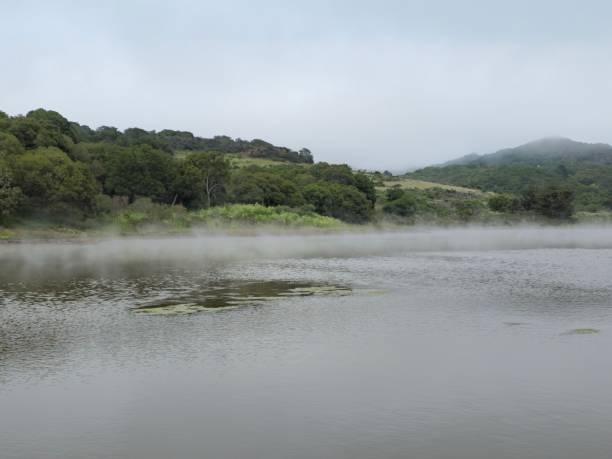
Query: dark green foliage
{"points": [[591, 184], [140, 171], [11, 197], [48, 128], [305, 156], [404, 206], [52, 119], [336, 173], [394, 193], [399, 202], [137, 136], [467, 209], [25, 130], [342, 174], [350, 205], [106, 134], [505, 203], [435, 205], [259, 186], [364, 184], [9, 145], [553, 201], [499, 179], [58, 169], [97, 156], [585, 169], [36, 131], [202, 180], [340, 201], [53, 184]]}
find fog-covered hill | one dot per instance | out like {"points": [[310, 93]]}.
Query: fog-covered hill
{"points": [[543, 152]]}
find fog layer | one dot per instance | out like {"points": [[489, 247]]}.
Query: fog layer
{"points": [[107, 256]]}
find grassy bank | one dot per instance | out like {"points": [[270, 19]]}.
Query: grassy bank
{"points": [[433, 207], [146, 218]]}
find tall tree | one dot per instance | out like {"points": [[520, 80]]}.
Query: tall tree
{"points": [[202, 179]]}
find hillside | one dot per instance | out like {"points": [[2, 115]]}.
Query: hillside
{"points": [[56, 170], [551, 150], [50, 129], [584, 168]]}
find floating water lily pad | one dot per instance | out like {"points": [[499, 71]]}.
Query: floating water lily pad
{"points": [[231, 295], [582, 331], [177, 309]]}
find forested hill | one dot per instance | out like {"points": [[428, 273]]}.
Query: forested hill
{"points": [[582, 168], [52, 169], [551, 150], [46, 128]]}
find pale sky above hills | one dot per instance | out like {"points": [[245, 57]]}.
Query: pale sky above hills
{"points": [[385, 84]]}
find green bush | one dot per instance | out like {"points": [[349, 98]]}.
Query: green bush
{"points": [[404, 206], [552, 201], [258, 214], [143, 212], [504, 203]]}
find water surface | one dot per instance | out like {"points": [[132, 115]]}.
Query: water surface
{"points": [[435, 344]]}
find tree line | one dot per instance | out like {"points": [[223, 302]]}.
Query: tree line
{"points": [[57, 169]]}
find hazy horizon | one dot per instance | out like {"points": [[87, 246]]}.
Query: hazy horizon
{"points": [[390, 85]]}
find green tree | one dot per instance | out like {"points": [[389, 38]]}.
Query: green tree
{"points": [[35, 130], [364, 184], [467, 209], [405, 205], [337, 173], [245, 188], [552, 201], [11, 196], [140, 171], [305, 156], [53, 184], [52, 119], [202, 179], [339, 201], [504, 203], [9, 145], [320, 197], [394, 193], [25, 130]]}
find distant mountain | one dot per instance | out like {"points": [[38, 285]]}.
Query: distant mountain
{"points": [[547, 151], [467, 159], [585, 168]]}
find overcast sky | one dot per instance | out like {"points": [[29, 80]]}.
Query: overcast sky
{"points": [[376, 84]]}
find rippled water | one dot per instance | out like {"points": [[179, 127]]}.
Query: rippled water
{"points": [[434, 344]]}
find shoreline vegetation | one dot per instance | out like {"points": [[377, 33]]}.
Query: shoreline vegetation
{"points": [[254, 219], [63, 180]]}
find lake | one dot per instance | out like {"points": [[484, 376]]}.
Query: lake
{"points": [[458, 343]]}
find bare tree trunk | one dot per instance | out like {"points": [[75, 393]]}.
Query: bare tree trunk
{"points": [[208, 190]]}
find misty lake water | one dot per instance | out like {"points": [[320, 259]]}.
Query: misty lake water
{"points": [[467, 343]]}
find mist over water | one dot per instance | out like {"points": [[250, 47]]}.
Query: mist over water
{"points": [[472, 343], [109, 255]]}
